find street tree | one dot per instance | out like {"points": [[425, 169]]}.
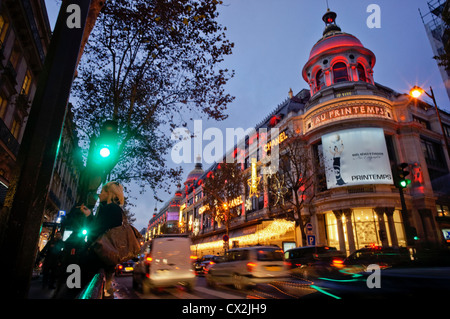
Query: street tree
{"points": [[222, 193], [293, 186], [150, 66]]}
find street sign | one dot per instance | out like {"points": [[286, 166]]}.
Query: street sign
{"points": [[309, 229], [311, 240], [62, 213]]}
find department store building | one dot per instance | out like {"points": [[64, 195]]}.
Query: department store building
{"points": [[362, 130]]}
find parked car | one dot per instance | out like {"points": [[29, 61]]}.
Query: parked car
{"points": [[125, 268], [382, 256], [247, 266], [314, 261], [165, 262], [201, 264]]}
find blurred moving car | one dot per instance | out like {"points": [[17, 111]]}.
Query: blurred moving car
{"points": [[383, 256], [125, 268], [314, 261], [247, 266], [201, 264], [303, 256], [165, 262]]}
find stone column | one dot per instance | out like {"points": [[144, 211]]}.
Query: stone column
{"points": [[338, 214], [382, 226], [350, 236], [393, 233]]}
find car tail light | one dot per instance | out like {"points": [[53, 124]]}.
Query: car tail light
{"points": [[250, 266], [288, 263], [193, 257], [337, 262], [211, 262], [120, 267], [148, 259]]}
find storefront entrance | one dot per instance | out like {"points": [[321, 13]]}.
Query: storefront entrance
{"points": [[366, 228]]}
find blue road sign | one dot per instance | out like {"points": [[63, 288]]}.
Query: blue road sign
{"points": [[311, 240]]}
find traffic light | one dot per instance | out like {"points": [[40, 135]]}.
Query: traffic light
{"points": [[107, 142], [403, 182], [83, 234]]}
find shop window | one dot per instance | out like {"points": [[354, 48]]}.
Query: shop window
{"points": [[340, 73], [365, 228], [361, 73], [319, 80]]}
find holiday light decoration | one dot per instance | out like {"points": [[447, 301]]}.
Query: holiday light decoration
{"points": [[254, 180], [279, 190], [276, 229]]}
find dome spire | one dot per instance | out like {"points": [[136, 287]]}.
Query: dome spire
{"points": [[330, 21]]}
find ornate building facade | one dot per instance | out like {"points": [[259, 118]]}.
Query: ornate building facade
{"points": [[361, 131]]}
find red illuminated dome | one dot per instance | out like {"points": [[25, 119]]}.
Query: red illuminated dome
{"points": [[337, 42], [337, 57]]}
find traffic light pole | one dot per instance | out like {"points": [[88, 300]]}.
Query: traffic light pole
{"points": [[22, 215]]}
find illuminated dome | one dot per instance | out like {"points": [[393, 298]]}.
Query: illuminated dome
{"points": [[195, 173], [337, 57], [336, 40]]}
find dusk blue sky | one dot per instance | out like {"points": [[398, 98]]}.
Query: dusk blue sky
{"points": [[273, 39]]}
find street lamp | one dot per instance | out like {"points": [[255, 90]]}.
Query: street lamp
{"points": [[416, 92]]}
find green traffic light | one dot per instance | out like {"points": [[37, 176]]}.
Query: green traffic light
{"points": [[105, 152], [403, 184], [84, 232]]}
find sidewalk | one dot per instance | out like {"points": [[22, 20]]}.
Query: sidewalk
{"points": [[37, 292]]}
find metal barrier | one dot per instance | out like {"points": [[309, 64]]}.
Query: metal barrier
{"points": [[94, 290]]}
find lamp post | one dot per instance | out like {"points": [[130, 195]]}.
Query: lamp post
{"points": [[416, 92]]}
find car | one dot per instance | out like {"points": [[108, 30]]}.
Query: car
{"points": [[201, 264], [383, 256], [246, 266], [125, 268], [303, 256], [165, 262], [311, 262]]}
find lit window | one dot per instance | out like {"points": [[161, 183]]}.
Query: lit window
{"points": [[340, 73], [26, 84], [3, 105], [3, 28], [15, 128]]}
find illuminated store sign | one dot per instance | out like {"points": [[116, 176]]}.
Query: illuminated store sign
{"points": [[343, 111], [356, 157], [276, 141]]}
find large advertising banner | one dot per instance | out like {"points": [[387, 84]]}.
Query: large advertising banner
{"points": [[356, 157]]}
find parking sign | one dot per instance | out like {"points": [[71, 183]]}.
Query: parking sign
{"points": [[311, 240]]}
